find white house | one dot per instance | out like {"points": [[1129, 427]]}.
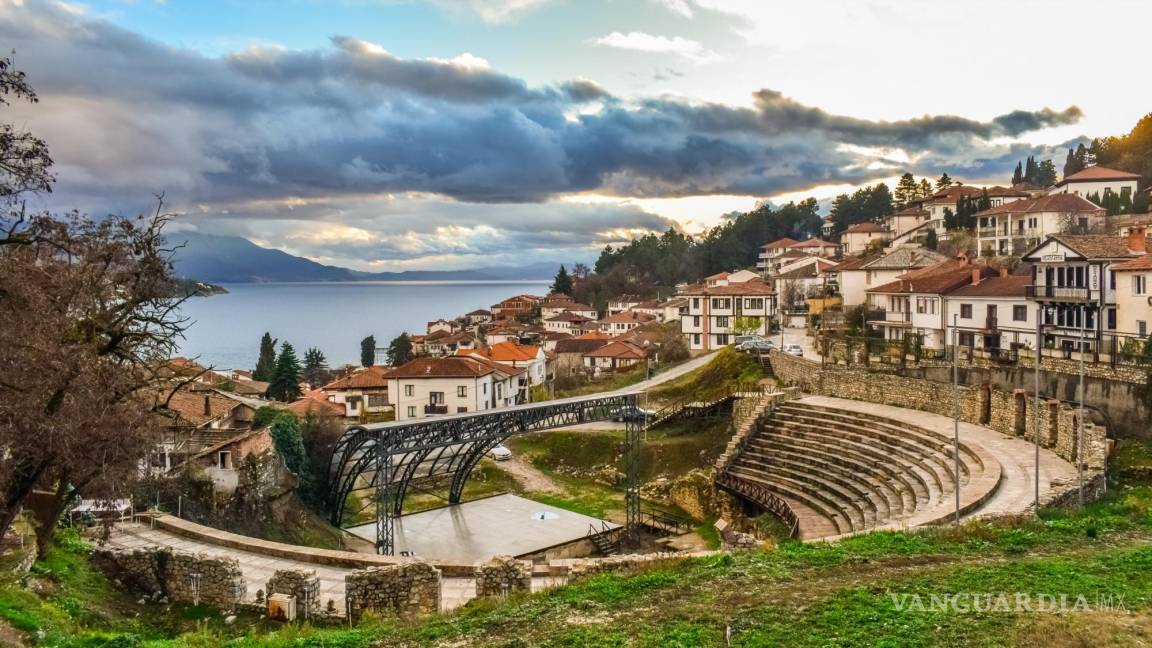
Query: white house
{"points": [[857, 238], [531, 359], [453, 385], [442, 325], [1013, 228], [771, 251], [623, 303], [993, 315], [856, 276], [565, 322], [914, 303], [716, 313], [1133, 282], [674, 309], [621, 323], [1098, 180], [907, 219], [549, 310], [363, 392]]}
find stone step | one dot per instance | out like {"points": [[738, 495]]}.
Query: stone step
{"points": [[858, 511], [911, 485], [800, 500], [874, 506], [891, 491], [811, 523]]}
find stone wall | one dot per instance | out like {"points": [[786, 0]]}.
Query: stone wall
{"points": [[622, 564], [502, 575], [182, 577], [1008, 412], [408, 589], [303, 585]]}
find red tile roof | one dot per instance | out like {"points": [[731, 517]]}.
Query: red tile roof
{"points": [[1098, 174], [813, 243], [509, 351], [625, 350], [305, 406], [779, 243], [580, 345], [366, 378], [1010, 286], [450, 367], [630, 317], [1058, 202], [1139, 263], [866, 228], [754, 287]]}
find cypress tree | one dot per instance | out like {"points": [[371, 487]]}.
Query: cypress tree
{"points": [[286, 377], [563, 282], [368, 351], [1030, 170], [267, 360], [1018, 174]]}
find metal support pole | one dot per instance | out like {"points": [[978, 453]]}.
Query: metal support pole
{"points": [[1036, 414], [1080, 418], [633, 429], [385, 540], [956, 414]]}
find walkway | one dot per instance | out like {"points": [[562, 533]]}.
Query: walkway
{"points": [[1016, 455], [258, 568]]}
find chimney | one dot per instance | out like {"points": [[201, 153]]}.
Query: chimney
{"points": [[207, 406], [975, 276], [1137, 238], [1003, 271]]}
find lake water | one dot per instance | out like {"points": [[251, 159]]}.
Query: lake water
{"points": [[226, 329]]}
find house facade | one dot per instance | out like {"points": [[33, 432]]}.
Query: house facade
{"points": [[994, 316], [361, 393], [1098, 180], [859, 236], [427, 387], [1013, 228], [1133, 281], [718, 313]]}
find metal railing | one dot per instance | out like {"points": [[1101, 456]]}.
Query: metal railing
{"points": [[1066, 293], [762, 496], [435, 409]]}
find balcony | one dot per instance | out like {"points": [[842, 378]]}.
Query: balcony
{"points": [[1063, 293], [989, 324], [990, 232], [432, 410]]}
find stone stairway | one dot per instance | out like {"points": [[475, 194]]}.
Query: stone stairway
{"points": [[843, 471]]}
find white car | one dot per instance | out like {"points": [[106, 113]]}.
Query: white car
{"points": [[500, 453], [793, 349]]}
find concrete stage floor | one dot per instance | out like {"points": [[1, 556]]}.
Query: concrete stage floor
{"points": [[478, 530]]}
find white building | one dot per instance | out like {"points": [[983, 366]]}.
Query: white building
{"points": [[772, 251], [1098, 180], [621, 323], [565, 322], [454, 385], [362, 392], [716, 313], [856, 276], [1133, 282], [549, 310], [914, 303], [1013, 228], [994, 316], [859, 236]]}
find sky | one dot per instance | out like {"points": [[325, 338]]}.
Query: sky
{"points": [[443, 134]]}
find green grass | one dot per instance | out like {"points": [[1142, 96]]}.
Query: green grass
{"points": [[727, 370]]}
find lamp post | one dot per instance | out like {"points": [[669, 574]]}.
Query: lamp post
{"points": [[956, 414], [1080, 417], [1040, 311]]}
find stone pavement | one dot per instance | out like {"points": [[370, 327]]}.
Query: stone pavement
{"points": [[258, 569], [1016, 455]]}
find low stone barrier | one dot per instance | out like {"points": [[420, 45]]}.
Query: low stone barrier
{"points": [[183, 577], [303, 585], [578, 569], [502, 575], [411, 589]]}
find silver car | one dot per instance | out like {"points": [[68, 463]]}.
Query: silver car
{"points": [[793, 349]]}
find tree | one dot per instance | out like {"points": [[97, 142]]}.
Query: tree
{"points": [[580, 272], [906, 189], [289, 443], [25, 165], [1018, 174], [931, 240], [315, 364], [1030, 170], [562, 283], [266, 363], [286, 377], [368, 351], [400, 350], [925, 189], [747, 324], [1046, 173], [943, 182]]}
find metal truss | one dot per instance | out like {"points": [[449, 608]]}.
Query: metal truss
{"points": [[389, 457]]}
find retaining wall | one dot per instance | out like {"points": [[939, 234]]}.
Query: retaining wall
{"points": [[502, 575], [411, 589], [183, 577]]}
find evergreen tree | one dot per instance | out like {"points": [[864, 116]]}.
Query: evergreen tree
{"points": [[315, 364], [925, 188], [289, 443], [399, 350], [267, 361], [368, 351], [562, 283], [931, 240], [1018, 174], [950, 222], [286, 376], [906, 189], [1030, 170], [944, 182], [1071, 164], [1046, 174]]}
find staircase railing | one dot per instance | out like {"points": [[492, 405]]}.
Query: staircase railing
{"points": [[603, 538], [763, 497], [695, 403]]}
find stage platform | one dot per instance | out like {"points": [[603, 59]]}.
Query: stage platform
{"points": [[478, 530]]}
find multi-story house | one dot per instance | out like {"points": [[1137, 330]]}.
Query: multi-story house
{"points": [[858, 237], [623, 322], [771, 251], [906, 220], [623, 303], [614, 356], [1074, 284], [856, 276], [555, 308], [1098, 180], [565, 322], [1134, 289], [453, 385], [363, 392], [817, 247], [719, 312], [479, 316], [993, 316], [532, 359], [519, 306], [674, 309], [1013, 228], [914, 303], [805, 278]]}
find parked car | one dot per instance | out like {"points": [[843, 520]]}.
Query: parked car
{"points": [[631, 415], [793, 349], [500, 453], [756, 346], [741, 339]]}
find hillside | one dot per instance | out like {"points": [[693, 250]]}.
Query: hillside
{"points": [[232, 259]]}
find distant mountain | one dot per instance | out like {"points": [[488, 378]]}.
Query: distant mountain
{"points": [[233, 259]]}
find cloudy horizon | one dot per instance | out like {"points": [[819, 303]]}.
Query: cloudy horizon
{"points": [[447, 134]]}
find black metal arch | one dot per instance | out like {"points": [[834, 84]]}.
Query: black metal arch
{"points": [[389, 457]]}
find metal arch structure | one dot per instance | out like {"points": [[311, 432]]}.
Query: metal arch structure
{"points": [[388, 458]]}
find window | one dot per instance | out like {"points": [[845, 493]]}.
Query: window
{"points": [[696, 303], [353, 402], [377, 400], [754, 303], [1112, 280], [722, 321], [722, 339], [485, 389], [411, 411], [696, 339], [224, 460], [966, 311], [696, 321], [1112, 319], [409, 390], [461, 410], [436, 398], [462, 391], [1019, 313], [1142, 327], [921, 305], [721, 303], [1139, 284]]}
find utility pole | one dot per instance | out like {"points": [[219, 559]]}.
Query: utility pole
{"points": [[1080, 418], [956, 414], [1040, 310]]}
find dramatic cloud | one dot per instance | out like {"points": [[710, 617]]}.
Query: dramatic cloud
{"points": [[343, 134], [655, 44]]}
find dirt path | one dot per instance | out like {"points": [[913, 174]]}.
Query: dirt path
{"points": [[528, 476]]}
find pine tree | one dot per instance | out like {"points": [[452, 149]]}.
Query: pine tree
{"points": [[368, 351], [399, 350], [267, 361], [944, 182], [925, 188], [1018, 174], [562, 283], [315, 364], [286, 377], [906, 189], [1046, 174], [289, 443]]}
